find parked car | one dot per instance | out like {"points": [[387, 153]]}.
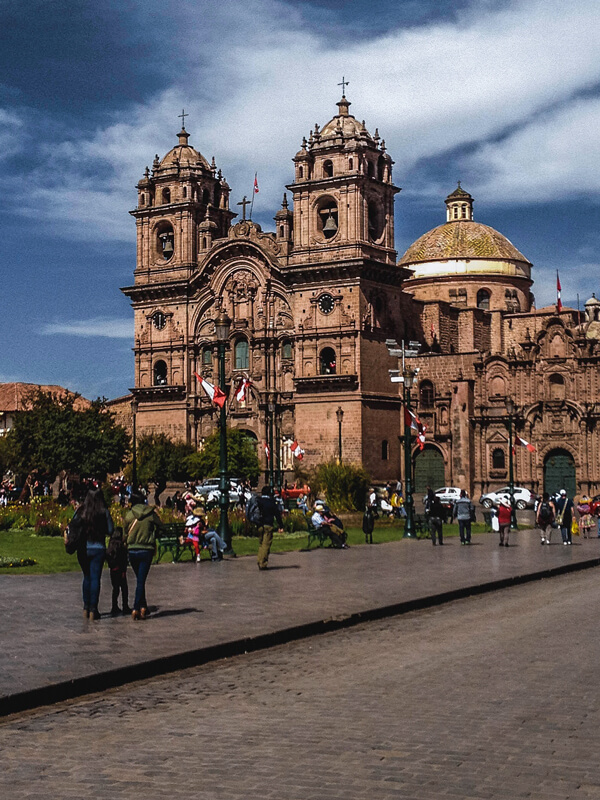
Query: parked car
{"points": [[209, 488], [447, 495], [523, 497]]}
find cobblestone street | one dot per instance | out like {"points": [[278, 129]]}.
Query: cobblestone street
{"points": [[487, 697]]}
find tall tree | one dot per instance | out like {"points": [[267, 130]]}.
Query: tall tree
{"points": [[160, 459], [51, 435], [242, 460]]}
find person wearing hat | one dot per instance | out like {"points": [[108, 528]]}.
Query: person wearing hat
{"points": [[325, 523], [199, 535], [564, 516], [586, 519], [504, 516]]}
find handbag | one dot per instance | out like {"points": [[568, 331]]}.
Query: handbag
{"points": [[74, 538], [473, 514]]}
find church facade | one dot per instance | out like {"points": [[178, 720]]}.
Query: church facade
{"points": [[313, 303]]}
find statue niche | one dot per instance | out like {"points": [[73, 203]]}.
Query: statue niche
{"points": [[241, 289]]}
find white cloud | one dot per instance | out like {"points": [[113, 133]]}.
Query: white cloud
{"points": [[258, 77], [108, 328]]}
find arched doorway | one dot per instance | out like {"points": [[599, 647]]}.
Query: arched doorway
{"points": [[559, 473], [429, 470]]}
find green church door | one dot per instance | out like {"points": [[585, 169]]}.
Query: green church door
{"points": [[559, 473], [429, 470]]}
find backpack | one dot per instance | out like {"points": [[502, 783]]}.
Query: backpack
{"points": [[253, 512], [545, 514], [75, 535]]}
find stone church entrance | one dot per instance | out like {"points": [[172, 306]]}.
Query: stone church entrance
{"points": [[559, 473], [429, 470]]}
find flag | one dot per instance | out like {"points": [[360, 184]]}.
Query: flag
{"points": [[216, 395], [242, 390], [255, 183], [412, 421], [523, 443], [558, 300], [267, 451], [297, 451]]}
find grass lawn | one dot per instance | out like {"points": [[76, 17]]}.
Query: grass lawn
{"points": [[50, 555]]}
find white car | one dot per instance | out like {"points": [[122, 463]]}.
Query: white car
{"points": [[523, 497], [209, 488], [448, 494]]}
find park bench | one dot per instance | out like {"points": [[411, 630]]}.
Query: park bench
{"points": [[316, 534], [171, 539], [421, 525]]}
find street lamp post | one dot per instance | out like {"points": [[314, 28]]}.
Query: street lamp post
{"points": [[340, 416], [134, 445], [270, 461], [222, 326], [409, 504], [510, 410]]}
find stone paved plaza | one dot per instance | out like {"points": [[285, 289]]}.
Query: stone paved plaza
{"points": [[486, 698], [46, 644]]}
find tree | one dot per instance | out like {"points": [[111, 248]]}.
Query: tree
{"points": [[51, 436], [344, 485], [242, 461], [160, 459]]}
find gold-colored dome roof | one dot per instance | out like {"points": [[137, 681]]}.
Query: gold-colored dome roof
{"points": [[461, 239]]}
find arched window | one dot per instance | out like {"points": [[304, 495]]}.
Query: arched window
{"points": [[142, 199], [160, 373], [483, 299], [327, 361], [286, 350], [350, 164], [300, 172], [464, 212], [185, 191], [370, 169], [241, 354], [498, 459], [381, 168], [327, 217], [206, 197], [165, 242], [557, 387], [328, 169], [455, 212], [426, 394], [497, 387], [385, 450], [207, 356], [166, 195]]}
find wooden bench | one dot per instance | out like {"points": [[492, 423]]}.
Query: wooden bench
{"points": [[421, 526], [169, 541], [316, 534]]}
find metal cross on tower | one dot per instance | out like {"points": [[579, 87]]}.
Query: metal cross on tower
{"points": [[182, 116], [244, 203], [343, 84]]}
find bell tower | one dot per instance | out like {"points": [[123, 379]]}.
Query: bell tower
{"points": [[343, 193], [182, 197]]}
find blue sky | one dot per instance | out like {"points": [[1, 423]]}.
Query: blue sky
{"points": [[502, 94]]}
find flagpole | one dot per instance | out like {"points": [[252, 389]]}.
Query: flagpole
{"points": [[253, 193]]}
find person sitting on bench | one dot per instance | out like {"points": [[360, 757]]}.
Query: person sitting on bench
{"points": [[323, 520]]}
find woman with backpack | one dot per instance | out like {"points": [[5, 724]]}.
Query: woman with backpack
{"points": [[546, 512], [91, 524]]}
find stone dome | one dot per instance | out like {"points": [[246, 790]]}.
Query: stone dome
{"points": [[344, 122], [460, 240], [184, 154]]}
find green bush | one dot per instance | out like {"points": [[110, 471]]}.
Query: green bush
{"points": [[46, 527], [344, 485]]}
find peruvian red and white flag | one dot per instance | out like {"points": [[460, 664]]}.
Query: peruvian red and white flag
{"points": [[412, 421], [241, 393], [523, 443], [216, 395], [558, 300], [267, 451], [256, 183], [297, 451]]}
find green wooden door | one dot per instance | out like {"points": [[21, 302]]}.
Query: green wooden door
{"points": [[429, 470], [559, 473]]}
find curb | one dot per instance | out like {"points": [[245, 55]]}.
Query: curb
{"points": [[68, 690]]}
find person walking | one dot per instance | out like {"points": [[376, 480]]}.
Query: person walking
{"points": [[504, 517], [269, 512], [96, 525], [463, 512], [116, 556], [434, 513], [544, 517], [564, 516], [141, 524]]}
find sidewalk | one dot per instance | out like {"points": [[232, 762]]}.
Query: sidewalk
{"points": [[208, 611]]}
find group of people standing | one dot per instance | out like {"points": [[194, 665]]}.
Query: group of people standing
{"points": [[558, 512], [88, 532]]}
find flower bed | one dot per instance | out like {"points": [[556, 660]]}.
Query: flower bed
{"points": [[7, 561]]}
